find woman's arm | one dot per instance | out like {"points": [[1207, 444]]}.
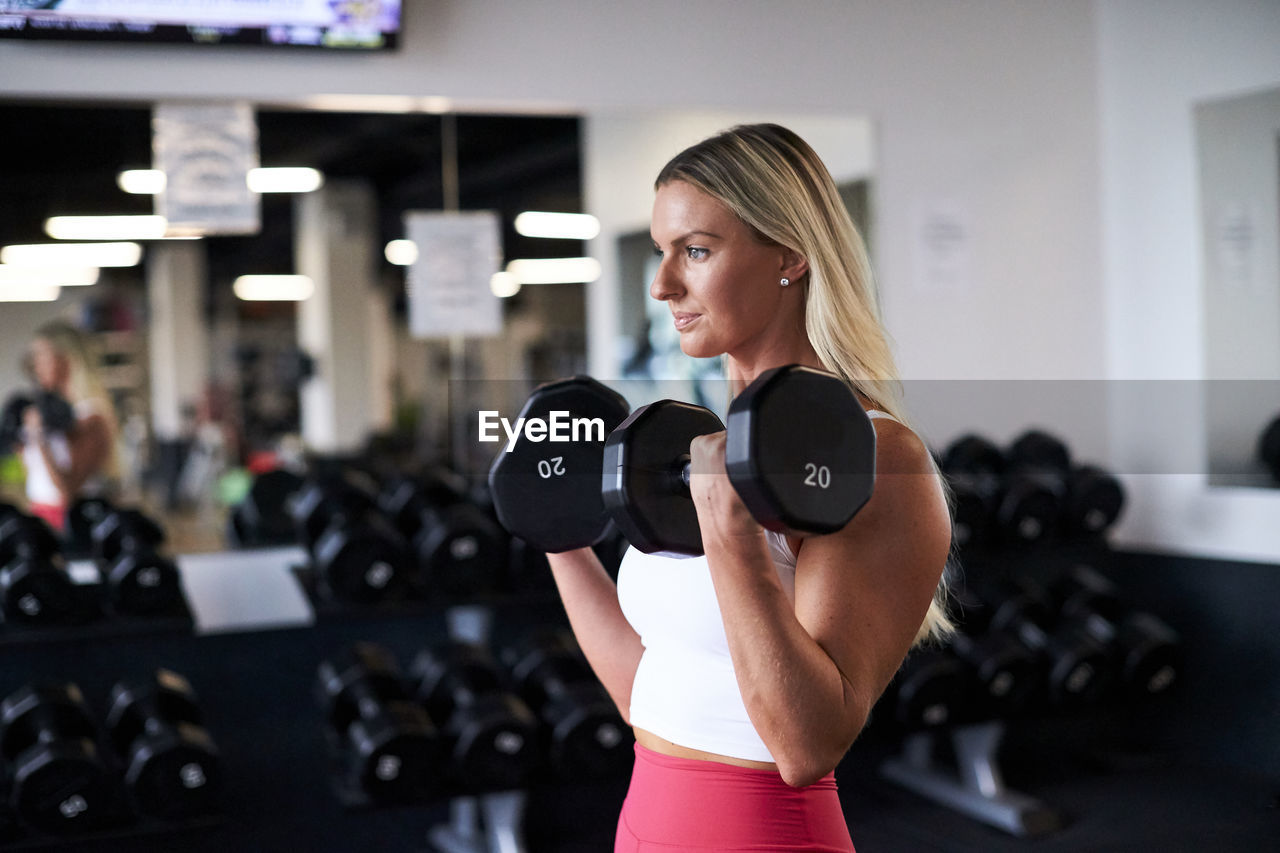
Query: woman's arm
{"points": [[611, 645], [810, 674], [88, 446]]}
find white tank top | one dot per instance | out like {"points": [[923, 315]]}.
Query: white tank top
{"points": [[685, 689], [40, 486]]}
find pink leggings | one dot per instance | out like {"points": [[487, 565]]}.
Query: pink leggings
{"points": [[682, 804]]}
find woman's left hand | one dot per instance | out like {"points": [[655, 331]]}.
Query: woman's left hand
{"points": [[721, 513]]}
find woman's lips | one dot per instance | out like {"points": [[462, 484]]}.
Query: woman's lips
{"points": [[683, 320]]}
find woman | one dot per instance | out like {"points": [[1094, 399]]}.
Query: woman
{"points": [[748, 673], [62, 468]]}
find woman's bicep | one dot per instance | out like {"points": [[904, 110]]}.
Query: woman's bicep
{"points": [[863, 593], [90, 447]]}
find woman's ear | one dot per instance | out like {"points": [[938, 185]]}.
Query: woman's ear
{"points": [[794, 265]]}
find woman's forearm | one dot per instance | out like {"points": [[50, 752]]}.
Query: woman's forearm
{"points": [[590, 599], [794, 693]]}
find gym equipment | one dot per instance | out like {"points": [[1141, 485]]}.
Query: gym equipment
{"points": [[35, 588], [1077, 670], [60, 783], [140, 581], [1148, 652], [357, 553], [262, 518], [492, 734], [1015, 506], [1269, 448], [82, 516], [459, 549], [1005, 671], [56, 414], [548, 494], [392, 751], [930, 689], [584, 735], [1092, 498], [172, 767], [800, 452]]}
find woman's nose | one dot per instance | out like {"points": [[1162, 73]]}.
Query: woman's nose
{"points": [[664, 285]]}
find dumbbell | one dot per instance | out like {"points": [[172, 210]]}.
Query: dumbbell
{"points": [[357, 553], [1091, 497], [1149, 652], [140, 580], [392, 750], [59, 782], [1077, 670], [459, 549], [56, 416], [491, 733], [930, 689], [171, 762], [1269, 448], [262, 516], [584, 734], [82, 516], [1006, 673], [35, 588], [800, 452], [995, 503]]}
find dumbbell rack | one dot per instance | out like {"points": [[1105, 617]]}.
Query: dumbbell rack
{"points": [[975, 786], [489, 823]]}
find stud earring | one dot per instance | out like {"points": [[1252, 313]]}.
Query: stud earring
{"points": [[785, 282]]}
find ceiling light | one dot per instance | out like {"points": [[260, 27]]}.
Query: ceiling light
{"points": [[402, 253], [566, 226], [72, 254], [145, 227], [554, 270], [141, 181], [504, 284], [59, 275], [28, 292], [285, 179], [273, 288]]}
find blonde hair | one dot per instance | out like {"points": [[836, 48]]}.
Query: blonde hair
{"points": [[84, 382], [778, 186]]}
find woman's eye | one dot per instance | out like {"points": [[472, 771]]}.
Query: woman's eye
{"points": [[696, 253], [657, 251]]}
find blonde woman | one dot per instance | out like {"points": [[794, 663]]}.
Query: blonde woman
{"points": [[63, 467], [748, 673]]}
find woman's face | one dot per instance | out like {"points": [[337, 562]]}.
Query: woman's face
{"points": [[720, 281], [50, 367]]}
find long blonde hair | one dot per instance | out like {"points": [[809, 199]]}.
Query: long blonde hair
{"points": [[84, 382], [778, 186]]}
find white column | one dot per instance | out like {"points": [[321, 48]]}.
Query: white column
{"points": [[335, 233], [178, 338]]}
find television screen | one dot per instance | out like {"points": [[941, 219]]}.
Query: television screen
{"points": [[349, 24]]}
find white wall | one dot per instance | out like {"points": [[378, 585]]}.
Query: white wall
{"points": [[1057, 135], [1156, 61]]}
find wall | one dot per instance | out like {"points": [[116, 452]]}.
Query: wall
{"points": [[1055, 136]]}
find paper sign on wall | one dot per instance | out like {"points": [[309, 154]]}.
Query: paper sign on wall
{"points": [[206, 152], [450, 291], [943, 239]]}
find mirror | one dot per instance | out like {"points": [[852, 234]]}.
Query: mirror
{"points": [[1238, 152]]}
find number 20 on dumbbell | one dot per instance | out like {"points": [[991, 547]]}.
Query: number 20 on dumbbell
{"points": [[800, 452]]}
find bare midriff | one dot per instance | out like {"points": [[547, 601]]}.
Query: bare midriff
{"points": [[651, 741]]}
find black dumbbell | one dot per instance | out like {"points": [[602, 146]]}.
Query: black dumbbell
{"points": [[56, 416], [1006, 673], [357, 553], [1149, 653], [59, 781], [584, 735], [171, 762], [1269, 448], [1077, 669], [262, 518], [999, 504], [391, 749], [492, 734], [800, 453], [460, 550], [35, 588], [930, 689], [1092, 498], [82, 516], [140, 580]]}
